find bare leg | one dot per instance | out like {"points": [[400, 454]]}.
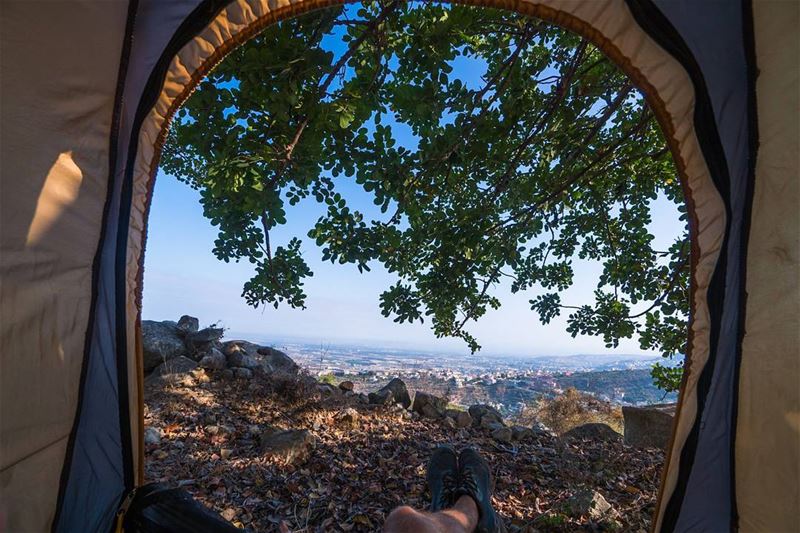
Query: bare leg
{"points": [[460, 518]]}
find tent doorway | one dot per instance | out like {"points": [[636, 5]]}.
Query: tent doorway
{"points": [[217, 146]]}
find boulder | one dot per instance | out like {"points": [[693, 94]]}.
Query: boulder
{"points": [[201, 341], [480, 411], [429, 411], [347, 417], [242, 360], [381, 397], [502, 434], [586, 502], [462, 419], [238, 346], [327, 390], [593, 431], [209, 334], [176, 365], [160, 343], [521, 433], [491, 424], [242, 373], [277, 361], [287, 446], [429, 405], [187, 324], [393, 392], [346, 386], [650, 426], [213, 361]]}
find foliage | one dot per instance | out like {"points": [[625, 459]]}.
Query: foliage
{"points": [[554, 158], [328, 378], [571, 409]]}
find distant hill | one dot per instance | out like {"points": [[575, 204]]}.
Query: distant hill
{"points": [[621, 386]]}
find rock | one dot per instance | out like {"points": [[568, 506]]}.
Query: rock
{"points": [[429, 411], [227, 373], [449, 423], [229, 514], [502, 434], [381, 397], [235, 346], [480, 411], [650, 426], [429, 405], [213, 361], [491, 424], [328, 390], [242, 373], [521, 433], [277, 361], [462, 419], [242, 354], [209, 334], [152, 436], [187, 324], [346, 386], [349, 416], [594, 431], [225, 453], [586, 502], [287, 446], [160, 343], [200, 342], [362, 398], [393, 392], [176, 365], [242, 360], [540, 430]]}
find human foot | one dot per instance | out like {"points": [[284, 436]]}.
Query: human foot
{"points": [[442, 478], [475, 481]]}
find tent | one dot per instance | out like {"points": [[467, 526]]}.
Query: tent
{"points": [[87, 92]]}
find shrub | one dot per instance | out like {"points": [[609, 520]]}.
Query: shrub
{"points": [[571, 409], [327, 378]]}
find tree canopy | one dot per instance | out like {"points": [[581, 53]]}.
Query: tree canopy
{"points": [[554, 157]]}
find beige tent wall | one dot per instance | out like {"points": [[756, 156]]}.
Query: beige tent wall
{"points": [[608, 23], [768, 430], [56, 99]]}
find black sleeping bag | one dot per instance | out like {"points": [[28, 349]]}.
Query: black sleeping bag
{"points": [[157, 508]]}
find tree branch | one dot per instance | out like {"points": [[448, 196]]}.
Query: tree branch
{"points": [[328, 80]]}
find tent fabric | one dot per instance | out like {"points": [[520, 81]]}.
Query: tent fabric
{"points": [[59, 74], [88, 91], [767, 446], [720, 66]]}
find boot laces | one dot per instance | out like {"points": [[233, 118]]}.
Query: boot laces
{"points": [[448, 489], [469, 482]]}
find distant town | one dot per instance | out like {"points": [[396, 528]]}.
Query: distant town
{"points": [[508, 382]]}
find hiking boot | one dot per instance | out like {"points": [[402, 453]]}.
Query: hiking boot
{"points": [[475, 481], [442, 477]]}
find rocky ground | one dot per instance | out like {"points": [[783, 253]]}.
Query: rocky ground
{"points": [[272, 449], [206, 437]]}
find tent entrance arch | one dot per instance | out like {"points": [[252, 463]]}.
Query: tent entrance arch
{"points": [[695, 63], [235, 28]]}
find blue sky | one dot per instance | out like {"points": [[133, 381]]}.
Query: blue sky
{"points": [[182, 276]]}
